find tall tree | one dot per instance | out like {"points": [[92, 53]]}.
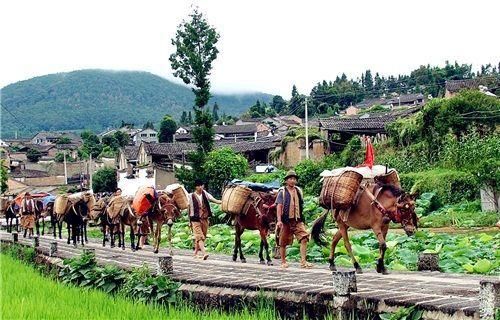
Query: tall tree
{"points": [[368, 81], [195, 43], [190, 118], [215, 112], [183, 118], [148, 125], [168, 126], [295, 92], [278, 104]]}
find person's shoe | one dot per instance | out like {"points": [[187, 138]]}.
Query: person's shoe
{"points": [[284, 265], [205, 257], [306, 265]]}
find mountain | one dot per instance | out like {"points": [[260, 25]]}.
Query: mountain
{"points": [[98, 99]]}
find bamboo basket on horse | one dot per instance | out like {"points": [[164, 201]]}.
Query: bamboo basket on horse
{"points": [[340, 191], [373, 206], [119, 214], [257, 212]]}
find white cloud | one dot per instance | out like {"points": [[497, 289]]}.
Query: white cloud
{"points": [[265, 45]]}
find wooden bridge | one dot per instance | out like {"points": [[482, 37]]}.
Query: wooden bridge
{"points": [[220, 283]]}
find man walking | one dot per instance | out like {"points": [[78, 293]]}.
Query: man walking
{"points": [[28, 214], [291, 220], [199, 213]]}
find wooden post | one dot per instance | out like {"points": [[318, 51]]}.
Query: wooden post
{"points": [[15, 237], [165, 265], [53, 249], [36, 241], [344, 282], [428, 262], [489, 298]]}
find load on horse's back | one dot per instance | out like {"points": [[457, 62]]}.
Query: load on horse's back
{"points": [[252, 207], [363, 198]]}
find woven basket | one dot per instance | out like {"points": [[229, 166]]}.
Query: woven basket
{"points": [[234, 198], [60, 204], [391, 178], [340, 192], [180, 198]]}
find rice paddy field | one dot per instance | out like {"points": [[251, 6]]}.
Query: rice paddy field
{"points": [[27, 294]]}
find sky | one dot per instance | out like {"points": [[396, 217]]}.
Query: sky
{"points": [[265, 46]]}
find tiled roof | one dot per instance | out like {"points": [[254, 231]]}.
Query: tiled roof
{"points": [[374, 122], [183, 136], [405, 98], [457, 85], [40, 147], [236, 129], [131, 152], [169, 149], [246, 146]]}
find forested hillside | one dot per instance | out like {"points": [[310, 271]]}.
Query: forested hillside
{"points": [[97, 99]]}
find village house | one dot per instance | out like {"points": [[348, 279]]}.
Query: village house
{"points": [[338, 131], [407, 100], [351, 111], [145, 135], [452, 87], [52, 137]]}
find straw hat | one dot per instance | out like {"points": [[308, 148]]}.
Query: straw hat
{"points": [[291, 173]]}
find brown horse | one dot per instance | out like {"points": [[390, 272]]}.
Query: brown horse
{"points": [[98, 213], [163, 211], [127, 218], [376, 207], [75, 214], [260, 215]]}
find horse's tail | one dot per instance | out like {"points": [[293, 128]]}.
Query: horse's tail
{"points": [[317, 231]]}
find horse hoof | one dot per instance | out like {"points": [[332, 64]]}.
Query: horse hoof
{"points": [[156, 251], [269, 263], [262, 262], [385, 272], [123, 248], [332, 267], [359, 271], [234, 259], [243, 260]]}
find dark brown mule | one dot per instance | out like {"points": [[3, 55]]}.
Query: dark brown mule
{"points": [[98, 215], [164, 211], [11, 212], [261, 214], [376, 207]]}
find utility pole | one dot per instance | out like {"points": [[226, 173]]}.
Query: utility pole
{"points": [[307, 131], [65, 169], [91, 169]]}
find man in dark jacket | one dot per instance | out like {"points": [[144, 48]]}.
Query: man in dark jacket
{"points": [[291, 220]]}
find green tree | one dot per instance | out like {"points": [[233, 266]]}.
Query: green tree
{"points": [[168, 126], [33, 155], [295, 92], [4, 176], [122, 137], [183, 118], [148, 125], [215, 112], [63, 140], [91, 144], [111, 142], [278, 104], [195, 42], [223, 165], [104, 180], [368, 81], [189, 118]]}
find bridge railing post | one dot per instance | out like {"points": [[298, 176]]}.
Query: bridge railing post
{"points": [[165, 265], [489, 299], [428, 262], [344, 282], [53, 249], [15, 237]]}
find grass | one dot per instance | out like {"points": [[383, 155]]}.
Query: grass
{"points": [[26, 294]]}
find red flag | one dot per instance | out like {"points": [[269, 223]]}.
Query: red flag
{"points": [[369, 155]]}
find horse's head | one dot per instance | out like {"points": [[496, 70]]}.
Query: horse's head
{"points": [[406, 212], [98, 208], [168, 209]]}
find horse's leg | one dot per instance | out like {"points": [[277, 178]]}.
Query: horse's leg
{"points": [[112, 235], [9, 227], [343, 229], [122, 235], [236, 241], [85, 231], [266, 247], [37, 225], [81, 228], [261, 249], [59, 226], [43, 226], [157, 236], [242, 257], [132, 238], [17, 224], [380, 233], [335, 241]]}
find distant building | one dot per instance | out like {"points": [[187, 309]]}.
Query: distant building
{"points": [[52, 137], [351, 111], [407, 100], [146, 135], [452, 87]]}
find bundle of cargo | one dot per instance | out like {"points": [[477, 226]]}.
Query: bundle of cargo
{"points": [[143, 200], [60, 204], [339, 192], [391, 177], [234, 198], [179, 195], [116, 206]]}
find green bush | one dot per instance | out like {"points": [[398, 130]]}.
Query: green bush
{"points": [[309, 173], [104, 180], [267, 177], [223, 165], [450, 186], [462, 215]]}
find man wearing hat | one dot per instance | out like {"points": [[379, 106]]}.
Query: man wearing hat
{"points": [[28, 214], [199, 212], [291, 220]]}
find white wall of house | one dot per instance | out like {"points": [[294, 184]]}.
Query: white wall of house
{"points": [[146, 135], [130, 186]]}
